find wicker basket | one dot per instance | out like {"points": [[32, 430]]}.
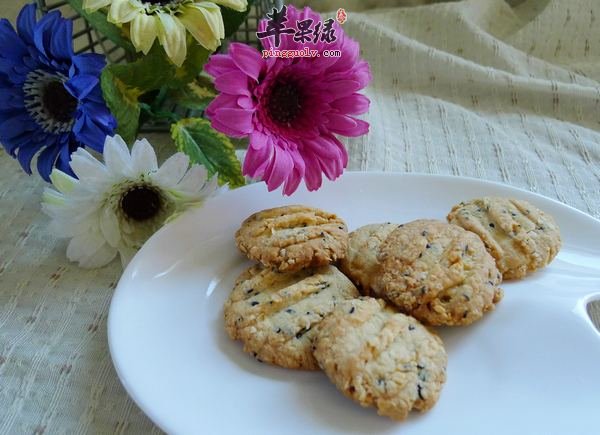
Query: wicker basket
{"points": [[86, 39]]}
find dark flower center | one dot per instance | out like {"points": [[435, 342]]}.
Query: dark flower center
{"points": [[57, 102], [284, 102], [141, 203]]}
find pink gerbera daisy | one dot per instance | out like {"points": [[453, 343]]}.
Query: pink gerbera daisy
{"points": [[291, 109]]}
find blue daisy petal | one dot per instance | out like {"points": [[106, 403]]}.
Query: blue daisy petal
{"points": [[11, 98], [27, 151], [81, 85], [14, 126], [87, 63], [91, 133], [47, 158], [96, 97], [26, 23], [44, 31], [64, 158], [13, 48], [61, 44], [38, 59]]}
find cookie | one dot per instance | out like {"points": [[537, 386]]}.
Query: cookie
{"points": [[381, 358], [274, 314], [361, 264], [293, 237], [521, 237], [438, 272]]}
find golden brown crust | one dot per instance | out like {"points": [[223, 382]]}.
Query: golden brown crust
{"points": [[521, 237], [381, 358], [293, 237], [361, 264], [274, 314], [437, 272]]}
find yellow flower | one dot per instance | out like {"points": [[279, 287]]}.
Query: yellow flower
{"points": [[168, 21]]}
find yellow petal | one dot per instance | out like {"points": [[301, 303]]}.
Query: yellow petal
{"points": [[236, 5], [123, 11], [171, 35], [143, 32], [204, 23], [94, 5]]}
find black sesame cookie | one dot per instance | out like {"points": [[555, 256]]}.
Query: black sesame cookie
{"points": [[361, 264], [381, 358], [293, 237], [521, 237], [438, 272], [274, 313]]}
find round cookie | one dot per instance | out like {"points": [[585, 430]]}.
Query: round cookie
{"points": [[439, 273], [274, 314], [521, 237], [381, 358], [293, 237], [361, 264]]}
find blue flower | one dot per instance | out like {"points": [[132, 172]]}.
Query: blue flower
{"points": [[51, 98]]}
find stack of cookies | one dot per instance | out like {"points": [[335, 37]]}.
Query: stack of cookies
{"points": [[296, 309]]}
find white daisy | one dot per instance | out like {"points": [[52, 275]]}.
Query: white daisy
{"points": [[115, 206]]}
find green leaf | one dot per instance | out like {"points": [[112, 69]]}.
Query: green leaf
{"points": [[157, 114], [99, 22], [123, 84], [148, 73], [196, 95], [122, 102], [234, 19], [192, 66], [196, 138]]}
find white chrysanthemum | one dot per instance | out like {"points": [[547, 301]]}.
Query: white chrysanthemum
{"points": [[168, 20], [115, 206]]}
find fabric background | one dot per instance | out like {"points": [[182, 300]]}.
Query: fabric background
{"points": [[473, 88]]}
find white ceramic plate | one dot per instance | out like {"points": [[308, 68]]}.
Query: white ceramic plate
{"points": [[530, 367]]}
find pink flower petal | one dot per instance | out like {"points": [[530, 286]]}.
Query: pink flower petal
{"points": [[223, 128], [225, 101], [346, 125], [281, 166], [362, 127], [294, 179], [362, 74], [257, 158], [354, 104], [332, 168], [234, 83], [259, 140], [219, 64], [238, 120], [245, 102], [292, 182], [312, 173], [350, 52], [342, 88], [342, 149], [340, 123], [247, 59], [322, 147], [331, 164]]}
